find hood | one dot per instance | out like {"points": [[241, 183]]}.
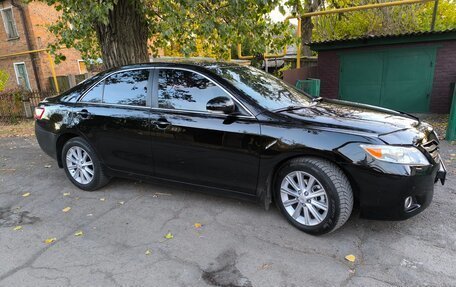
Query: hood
{"points": [[365, 119]]}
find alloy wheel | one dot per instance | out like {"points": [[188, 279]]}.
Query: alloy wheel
{"points": [[79, 165], [304, 198]]}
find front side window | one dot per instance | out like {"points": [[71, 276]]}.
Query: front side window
{"points": [[126, 88], [9, 23], [185, 90], [22, 75]]}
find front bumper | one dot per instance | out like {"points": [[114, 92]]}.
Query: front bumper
{"points": [[382, 195]]}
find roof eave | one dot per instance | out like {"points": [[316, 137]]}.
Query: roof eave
{"points": [[386, 40]]}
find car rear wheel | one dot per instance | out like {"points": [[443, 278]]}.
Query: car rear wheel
{"points": [[82, 165], [314, 195]]}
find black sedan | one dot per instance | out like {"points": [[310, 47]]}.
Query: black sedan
{"points": [[235, 130]]}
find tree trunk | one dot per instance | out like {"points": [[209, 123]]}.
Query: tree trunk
{"points": [[306, 35], [123, 40], [307, 25]]}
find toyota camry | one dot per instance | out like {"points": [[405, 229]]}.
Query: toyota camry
{"points": [[228, 129]]}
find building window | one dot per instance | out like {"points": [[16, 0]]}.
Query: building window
{"points": [[10, 24], [22, 75]]}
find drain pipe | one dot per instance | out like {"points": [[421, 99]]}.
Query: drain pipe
{"points": [[28, 41]]}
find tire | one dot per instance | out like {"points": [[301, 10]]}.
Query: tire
{"points": [[83, 161], [329, 189]]}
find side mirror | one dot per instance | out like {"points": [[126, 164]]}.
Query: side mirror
{"points": [[222, 105]]}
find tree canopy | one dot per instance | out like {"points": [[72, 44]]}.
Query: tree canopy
{"points": [[126, 31], [188, 26]]}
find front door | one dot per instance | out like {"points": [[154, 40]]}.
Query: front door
{"points": [[193, 145], [114, 116]]}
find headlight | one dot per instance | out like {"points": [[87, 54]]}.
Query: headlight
{"points": [[396, 154]]}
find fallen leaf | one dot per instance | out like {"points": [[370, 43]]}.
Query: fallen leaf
{"points": [[265, 266], [79, 233], [17, 228], [66, 194], [197, 225], [148, 252], [102, 199], [169, 235], [47, 166], [350, 258], [66, 209], [26, 194], [50, 240]]}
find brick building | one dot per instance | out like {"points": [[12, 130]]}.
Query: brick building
{"points": [[412, 72], [24, 29]]}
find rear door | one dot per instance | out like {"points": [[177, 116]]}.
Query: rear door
{"points": [[193, 145], [114, 117]]}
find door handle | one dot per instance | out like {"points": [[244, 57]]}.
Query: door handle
{"points": [[84, 113], [162, 124]]}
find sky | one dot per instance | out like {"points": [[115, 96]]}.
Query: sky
{"points": [[276, 16]]}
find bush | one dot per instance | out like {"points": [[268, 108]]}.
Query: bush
{"points": [[11, 109], [3, 80]]}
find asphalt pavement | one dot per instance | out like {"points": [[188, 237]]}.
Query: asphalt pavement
{"points": [[142, 234]]}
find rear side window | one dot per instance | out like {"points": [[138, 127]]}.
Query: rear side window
{"points": [[127, 88], [95, 95], [124, 88], [185, 90]]}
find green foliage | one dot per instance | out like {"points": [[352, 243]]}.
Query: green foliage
{"points": [[279, 73], [3, 79], [387, 20], [213, 28], [185, 27]]}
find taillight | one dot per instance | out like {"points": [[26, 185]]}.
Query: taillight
{"points": [[39, 112]]}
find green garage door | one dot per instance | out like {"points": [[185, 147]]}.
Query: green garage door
{"points": [[399, 79]]}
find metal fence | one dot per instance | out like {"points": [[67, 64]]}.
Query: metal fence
{"points": [[16, 105]]}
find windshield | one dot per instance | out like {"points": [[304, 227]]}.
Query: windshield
{"points": [[268, 91]]}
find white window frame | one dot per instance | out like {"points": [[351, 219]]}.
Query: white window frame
{"points": [[26, 73], [5, 24], [79, 67]]}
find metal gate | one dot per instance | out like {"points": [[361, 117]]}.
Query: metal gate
{"points": [[399, 79]]}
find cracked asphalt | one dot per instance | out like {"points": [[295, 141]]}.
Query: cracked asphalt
{"points": [[239, 243]]}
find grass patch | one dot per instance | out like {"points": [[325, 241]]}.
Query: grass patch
{"points": [[24, 128]]}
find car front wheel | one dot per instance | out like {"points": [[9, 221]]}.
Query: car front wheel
{"points": [[314, 195], [82, 165]]}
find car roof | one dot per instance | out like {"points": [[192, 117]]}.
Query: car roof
{"points": [[182, 62]]}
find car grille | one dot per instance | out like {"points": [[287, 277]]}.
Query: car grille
{"points": [[432, 146]]}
